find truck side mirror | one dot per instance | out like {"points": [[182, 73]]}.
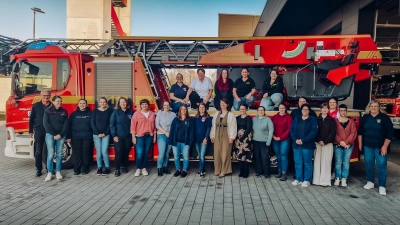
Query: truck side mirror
{"points": [[33, 70]]}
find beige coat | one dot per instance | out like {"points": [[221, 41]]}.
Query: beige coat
{"points": [[232, 126]]}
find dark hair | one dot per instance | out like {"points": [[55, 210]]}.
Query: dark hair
{"points": [[187, 113], [82, 99], [324, 105], [245, 105], [201, 69], [284, 106], [205, 112], [55, 98], [261, 107], [245, 68], [305, 105], [144, 101], [303, 98], [343, 106], [276, 71], [224, 100], [334, 98], [103, 98], [119, 102]]}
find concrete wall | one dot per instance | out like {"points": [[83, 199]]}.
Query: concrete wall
{"points": [[5, 91], [89, 19], [233, 25]]}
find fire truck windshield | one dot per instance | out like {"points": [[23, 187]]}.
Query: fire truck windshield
{"points": [[386, 89], [31, 77]]}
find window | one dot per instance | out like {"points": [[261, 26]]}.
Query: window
{"points": [[63, 72], [35, 76]]}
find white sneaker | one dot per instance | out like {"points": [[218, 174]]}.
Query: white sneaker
{"points": [[48, 177], [58, 176], [305, 184], [369, 185], [296, 182], [337, 182], [344, 182], [382, 190], [137, 173], [144, 172]]}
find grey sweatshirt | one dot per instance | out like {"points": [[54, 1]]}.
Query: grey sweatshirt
{"points": [[263, 129], [164, 120]]}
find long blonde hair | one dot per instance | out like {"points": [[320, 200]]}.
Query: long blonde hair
{"points": [[374, 102]]}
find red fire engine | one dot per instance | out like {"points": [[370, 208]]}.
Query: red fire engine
{"points": [[316, 67]]}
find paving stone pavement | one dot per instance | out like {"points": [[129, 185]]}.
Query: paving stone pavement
{"points": [[92, 199]]}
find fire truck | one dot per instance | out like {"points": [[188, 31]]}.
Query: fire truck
{"points": [[316, 67]]}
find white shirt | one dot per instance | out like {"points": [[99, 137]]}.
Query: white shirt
{"points": [[146, 114], [201, 87]]}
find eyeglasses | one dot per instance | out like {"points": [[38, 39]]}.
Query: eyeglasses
{"points": [[305, 109]]}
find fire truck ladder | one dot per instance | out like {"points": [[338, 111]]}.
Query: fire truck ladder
{"points": [[149, 73]]}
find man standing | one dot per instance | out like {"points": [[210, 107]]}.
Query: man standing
{"points": [[37, 130]]}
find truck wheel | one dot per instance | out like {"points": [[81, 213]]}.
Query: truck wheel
{"points": [[67, 162]]}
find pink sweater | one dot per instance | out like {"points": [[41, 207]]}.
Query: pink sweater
{"points": [[141, 125]]}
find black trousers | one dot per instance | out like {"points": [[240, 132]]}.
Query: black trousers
{"points": [[82, 151], [122, 148], [261, 157], [40, 150], [194, 98]]}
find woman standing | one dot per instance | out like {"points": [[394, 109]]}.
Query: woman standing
{"points": [[100, 123], [202, 123], [181, 138], [177, 93], [223, 89], [119, 129], [281, 139], [263, 130], [374, 136], [55, 122], [333, 108], [223, 132], [81, 137], [163, 124], [346, 133], [242, 149], [323, 154], [303, 132], [143, 132]]}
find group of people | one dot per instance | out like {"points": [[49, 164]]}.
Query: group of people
{"points": [[240, 138]]}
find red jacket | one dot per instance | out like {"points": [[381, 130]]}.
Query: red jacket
{"points": [[141, 125], [347, 135], [282, 126]]}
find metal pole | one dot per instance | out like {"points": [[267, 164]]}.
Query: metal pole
{"points": [[34, 23], [375, 23]]}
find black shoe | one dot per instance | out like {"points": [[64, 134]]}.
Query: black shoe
{"points": [[85, 172], [106, 171], [76, 173], [166, 171], [99, 171], [38, 173], [177, 173], [202, 174], [266, 176], [124, 170], [117, 173], [183, 174], [160, 172], [283, 178], [279, 175], [258, 175]]}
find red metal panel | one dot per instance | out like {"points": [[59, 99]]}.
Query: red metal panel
{"points": [[116, 22], [337, 75]]}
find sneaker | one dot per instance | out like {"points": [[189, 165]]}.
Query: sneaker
{"points": [[183, 174], [106, 171], [124, 169], [38, 173], [344, 182], [144, 172], [137, 173], [382, 190], [117, 173], [337, 181], [58, 176], [99, 171], [202, 175], [177, 173], [48, 177], [305, 184], [296, 182], [369, 185], [266, 177], [221, 175], [333, 175]]}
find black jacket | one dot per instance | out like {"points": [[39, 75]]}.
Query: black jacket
{"points": [[189, 138], [229, 95], [326, 129], [36, 117], [276, 87], [79, 124], [120, 123], [369, 137], [100, 121], [55, 121]]}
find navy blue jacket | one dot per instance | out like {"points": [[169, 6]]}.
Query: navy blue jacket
{"points": [[55, 121], [203, 128], [79, 124], [370, 137], [309, 133], [120, 123], [189, 138]]}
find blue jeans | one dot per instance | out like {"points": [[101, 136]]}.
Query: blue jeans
{"points": [[142, 149], [201, 151], [175, 106], [370, 155], [163, 150], [303, 156], [236, 104], [54, 147], [178, 149], [342, 162], [281, 149], [101, 145], [272, 101]]}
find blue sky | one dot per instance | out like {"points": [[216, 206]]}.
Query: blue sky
{"points": [[149, 17]]}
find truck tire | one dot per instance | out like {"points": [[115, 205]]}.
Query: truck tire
{"points": [[67, 162]]}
